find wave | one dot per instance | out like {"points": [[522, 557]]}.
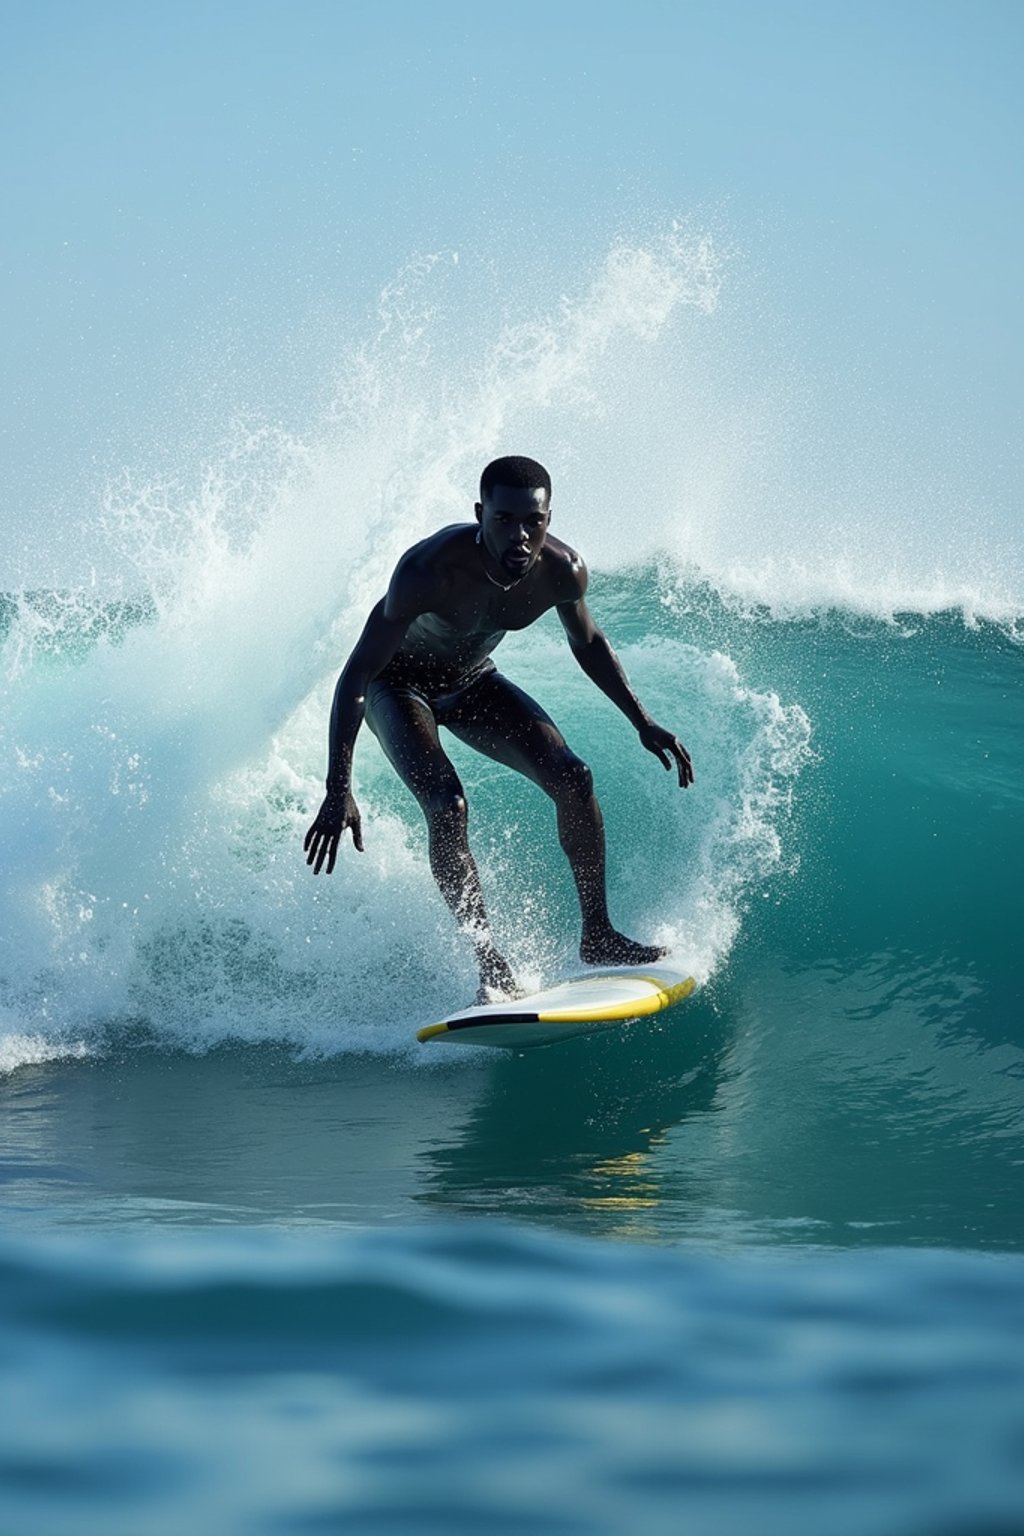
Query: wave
{"points": [[147, 886], [164, 728]]}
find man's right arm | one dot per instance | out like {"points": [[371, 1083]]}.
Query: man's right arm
{"points": [[411, 592], [375, 647]]}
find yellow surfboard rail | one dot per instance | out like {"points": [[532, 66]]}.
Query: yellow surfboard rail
{"points": [[638, 1007]]}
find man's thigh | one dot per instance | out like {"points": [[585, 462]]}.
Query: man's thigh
{"points": [[404, 724], [499, 719]]}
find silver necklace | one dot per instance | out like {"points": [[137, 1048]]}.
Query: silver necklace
{"points": [[493, 581], [501, 584]]}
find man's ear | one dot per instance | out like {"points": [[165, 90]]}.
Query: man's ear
{"points": [[479, 512]]}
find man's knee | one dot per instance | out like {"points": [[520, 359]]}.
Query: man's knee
{"points": [[444, 806], [569, 779]]}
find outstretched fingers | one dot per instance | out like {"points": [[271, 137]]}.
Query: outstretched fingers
{"points": [[324, 846], [683, 764], [670, 752], [317, 845], [321, 845]]}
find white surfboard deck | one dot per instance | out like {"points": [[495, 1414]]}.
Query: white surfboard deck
{"points": [[598, 999]]}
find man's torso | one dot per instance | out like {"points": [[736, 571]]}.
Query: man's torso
{"points": [[448, 644]]}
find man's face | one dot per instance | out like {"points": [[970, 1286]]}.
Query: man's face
{"points": [[514, 521]]}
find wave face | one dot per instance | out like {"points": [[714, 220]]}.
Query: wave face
{"points": [[156, 880]]}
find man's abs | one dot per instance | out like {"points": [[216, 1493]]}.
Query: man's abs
{"points": [[436, 657]]}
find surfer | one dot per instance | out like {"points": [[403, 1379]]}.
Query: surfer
{"points": [[424, 660]]}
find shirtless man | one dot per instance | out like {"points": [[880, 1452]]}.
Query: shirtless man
{"points": [[424, 660]]}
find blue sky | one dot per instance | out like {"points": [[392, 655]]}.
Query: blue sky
{"points": [[216, 193]]}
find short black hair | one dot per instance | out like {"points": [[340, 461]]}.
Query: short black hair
{"points": [[516, 472]]}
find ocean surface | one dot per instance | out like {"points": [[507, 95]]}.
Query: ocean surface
{"points": [[267, 1264]]}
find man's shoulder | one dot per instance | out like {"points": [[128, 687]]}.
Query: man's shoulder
{"points": [[450, 543], [439, 554], [567, 569], [425, 574]]}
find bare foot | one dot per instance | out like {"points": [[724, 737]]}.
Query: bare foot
{"points": [[613, 948], [496, 979]]}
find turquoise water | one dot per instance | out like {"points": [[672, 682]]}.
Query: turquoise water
{"points": [[727, 1266], [267, 1264], [474, 1377]]}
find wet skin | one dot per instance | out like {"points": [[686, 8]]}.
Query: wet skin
{"points": [[423, 660]]}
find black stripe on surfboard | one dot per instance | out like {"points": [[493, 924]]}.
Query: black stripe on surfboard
{"points": [[501, 1018]]}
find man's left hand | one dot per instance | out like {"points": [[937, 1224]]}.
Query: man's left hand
{"points": [[669, 750]]}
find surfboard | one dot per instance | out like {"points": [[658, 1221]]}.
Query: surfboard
{"points": [[599, 999]]}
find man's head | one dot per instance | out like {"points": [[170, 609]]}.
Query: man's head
{"points": [[517, 473], [513, 513]]}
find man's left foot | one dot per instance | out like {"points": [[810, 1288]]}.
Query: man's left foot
{"points": [[613, 948]]}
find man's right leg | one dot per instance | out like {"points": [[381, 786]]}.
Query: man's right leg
{"points": [[404, 724]]}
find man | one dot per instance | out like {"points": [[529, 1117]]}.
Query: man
{"points": [[424, 660]]}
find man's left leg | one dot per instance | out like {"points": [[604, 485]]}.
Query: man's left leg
{"points": [[500, 720]]}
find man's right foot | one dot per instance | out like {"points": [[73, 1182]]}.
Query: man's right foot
{"points": [[496, 978]]}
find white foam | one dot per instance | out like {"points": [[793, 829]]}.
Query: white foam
{"points": [[17, 1050], [793, 589]]}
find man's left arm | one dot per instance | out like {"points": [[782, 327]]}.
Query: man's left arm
{"points": [[592, 650]]}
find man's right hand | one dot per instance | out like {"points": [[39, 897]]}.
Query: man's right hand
{"points": [[337, 812]]}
